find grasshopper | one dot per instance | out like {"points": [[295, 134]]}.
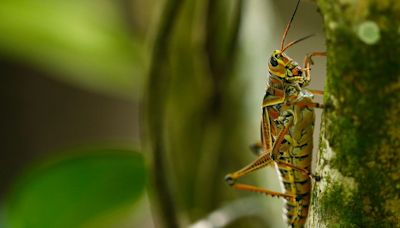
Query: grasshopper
{"points": [[287, 127]]}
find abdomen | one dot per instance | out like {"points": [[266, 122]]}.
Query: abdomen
{"points": [[298, 152]]}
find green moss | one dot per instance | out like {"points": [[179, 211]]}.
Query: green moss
{"points": [[361, 127], [338, 208]]}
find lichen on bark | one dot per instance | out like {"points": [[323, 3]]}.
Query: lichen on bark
{"points": [[360, 139]]}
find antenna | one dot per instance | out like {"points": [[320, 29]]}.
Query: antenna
{"points": [[296, 41], [288, 26]]}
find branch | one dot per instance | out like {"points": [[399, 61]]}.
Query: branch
{"points": [[221, 40], [360, 142], [155, 109]]}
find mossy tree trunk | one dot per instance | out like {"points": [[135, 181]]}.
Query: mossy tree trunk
{"points": [[359, 158]]}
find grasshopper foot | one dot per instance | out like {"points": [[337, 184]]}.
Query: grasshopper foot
{"points": [[229, 180]]}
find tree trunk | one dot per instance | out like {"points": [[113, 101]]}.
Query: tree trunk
{"points": [[359, 160]]}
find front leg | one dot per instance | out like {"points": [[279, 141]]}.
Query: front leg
{"points": [[308, 62], [302, 97]]}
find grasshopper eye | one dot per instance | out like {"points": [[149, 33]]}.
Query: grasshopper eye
{"points": [[273, 62]]}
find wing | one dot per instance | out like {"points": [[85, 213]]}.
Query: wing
{"points": [[266, 137], [273, 96]]}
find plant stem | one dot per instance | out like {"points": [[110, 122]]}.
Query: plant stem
{"points": [[155, 109]]}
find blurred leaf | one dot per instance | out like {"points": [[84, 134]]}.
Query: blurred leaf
{"points": [[80, 42], [69, 192]]}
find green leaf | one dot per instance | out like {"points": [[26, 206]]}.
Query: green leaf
{"points": [[84, 43], [72, 191]]}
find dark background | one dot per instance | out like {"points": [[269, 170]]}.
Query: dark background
{"points": [[73, 75]]}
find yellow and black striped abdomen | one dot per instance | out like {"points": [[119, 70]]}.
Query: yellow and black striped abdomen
{"points": [[297, 150], [296, 183]]}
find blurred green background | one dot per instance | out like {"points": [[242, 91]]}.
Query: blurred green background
{"points": [[73, 85]]}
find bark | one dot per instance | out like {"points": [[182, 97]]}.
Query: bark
{"points": [[360, 141]]}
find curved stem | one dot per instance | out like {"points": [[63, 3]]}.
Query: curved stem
{"points": [[155, 109]]}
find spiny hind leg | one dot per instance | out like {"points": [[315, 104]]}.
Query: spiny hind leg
{"points": [[283, 135], [262, 161], [252, 188], [287, 119]]}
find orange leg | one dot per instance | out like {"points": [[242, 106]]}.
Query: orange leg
{"points": [[304, 171], [277, 146], [281, 136], [316, 92], [309, 104], [285, 164], [252, 188], [262, 161], [308, 62]]}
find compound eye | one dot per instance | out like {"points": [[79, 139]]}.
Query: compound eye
{"points": [[273, 62]]}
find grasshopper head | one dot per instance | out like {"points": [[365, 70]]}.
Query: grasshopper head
{"points": [[277, 64], [282, 66]]}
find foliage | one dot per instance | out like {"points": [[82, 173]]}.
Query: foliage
{"points": [[82, 42], [71, 191]]}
